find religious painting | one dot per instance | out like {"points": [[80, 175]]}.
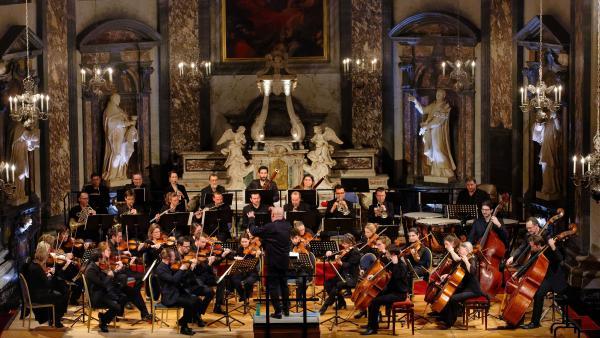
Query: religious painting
{"points": [[250, 29]]}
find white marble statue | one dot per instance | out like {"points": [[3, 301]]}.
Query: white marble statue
{"points": [[436, 135], [297, 131], [257, 130], [24, 140], [321, 161], [236, 165], [121, 134], [546, 132]]}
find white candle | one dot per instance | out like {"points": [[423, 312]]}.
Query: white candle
{"points": [[582, 165], [574, 164], [180, 65], [10, 103], [13, 173], [587, 159], [6, 167], [458, 64], [42, 102], [47, 105], [83, 75], [473, 68], [559, 93], [522, 91], [110, 71], [555, 94], [444, 68]]}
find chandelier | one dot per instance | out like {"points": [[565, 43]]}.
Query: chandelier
{"points": [[196, 70], [589, 175], [28, 107], [542, 105], [459, 69], [7, 181], [97, 84]]}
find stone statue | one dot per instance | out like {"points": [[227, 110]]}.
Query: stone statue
{"points": [[257, 131], [24, 140], [321, 161], [297, 131], [436, 135], [121, 135], [546, 132], [236, 165]]}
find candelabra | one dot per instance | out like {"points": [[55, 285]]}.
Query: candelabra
{"points": [[97, 84], [359, 65], [7, 186], [589, 177], [542, 105], [28, 107], [196, 70], [459, 73]]}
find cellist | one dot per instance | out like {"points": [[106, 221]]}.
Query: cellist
{"points": [[469, 286], [480, 225], [554, 281], [396, 289]]}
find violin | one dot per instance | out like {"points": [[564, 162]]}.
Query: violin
{"points": [[133, 245], [165, 241], [300, 248], [71, 243], [251, 250], [108, 265]]}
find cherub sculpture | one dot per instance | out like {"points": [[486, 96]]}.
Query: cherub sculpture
{"points": [[320, 157], [236, 165]]}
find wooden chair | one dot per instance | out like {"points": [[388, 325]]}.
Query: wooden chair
{"points": [[27, 304], [478, 306], [407, 309], [87, 303], [156, 305]]}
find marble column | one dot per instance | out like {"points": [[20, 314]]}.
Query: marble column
{"points": [[367, 44], [59, 171], [501, 61], [184, 102]]}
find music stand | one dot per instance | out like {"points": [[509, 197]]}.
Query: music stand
{"points": [[121, 195], [300, 262], [140, 195], [338, 224], [355, 184], [217, 220], [307, 196], [463, 212], [179, 221], [319, 248], [390, 230], [266, 196], [97, 225], [261, 218], [138, 223], [306, 217], [227, 198], [244, 266]]}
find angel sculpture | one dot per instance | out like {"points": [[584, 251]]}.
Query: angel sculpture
{"points": [[236, 165], [321, 161]]}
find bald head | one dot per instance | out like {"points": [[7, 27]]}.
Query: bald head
{"points": [[276, 214]]}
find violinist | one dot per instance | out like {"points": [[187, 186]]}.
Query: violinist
{"points": [[152, 246], [349, 259], [178, 190], [103, 294], [367, 241], [469, 286], [224, 220], [554, 281], [173, 293], [480, 225], [204, 271], [212, 187], [308, 182], [68, 270], [264, 183], [299, 245], [305, 233], [184, 256], [120, 276], [533, 228], [255, 206], [41, 290], [243, 283], [118, 248], [381, 211], [396, 289], [417, 256]]}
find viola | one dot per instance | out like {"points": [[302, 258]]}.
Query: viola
{"points": [[122, 245], [108, 265]]}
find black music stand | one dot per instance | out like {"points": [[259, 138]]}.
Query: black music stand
{"points": [[319, 248], [338, 225], [244, 265], [97, 226], [140, 195], [355, 184], [307, 196], [179, 221], [217, 220], [390, 230], [300, 262], [463, 212], [261, 218], [227, 198], [138, 223], [266, 196], [306, 217]]}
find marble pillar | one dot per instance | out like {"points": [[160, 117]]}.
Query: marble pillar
{"points": [[184, 103], [501, 61], [367, 44], [59, 171]]}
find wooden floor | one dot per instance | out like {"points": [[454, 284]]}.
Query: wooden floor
{"points": [[423, 327]]}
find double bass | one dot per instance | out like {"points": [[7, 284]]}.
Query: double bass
{"points": [[491, 251], [521, 288]]}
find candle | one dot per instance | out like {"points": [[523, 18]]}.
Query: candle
{"points": [[10, 103], [13, 173], [110, 71], [559, 93], [522, 91], [588, 158], [555, 94], [458, 64], [47, 99], [6, 167], [444, 68], [180, 65], [473, 68], [582, 165], [537, 92], [574, 164], [42, 102], [83, 75]]}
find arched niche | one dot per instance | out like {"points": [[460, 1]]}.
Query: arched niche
{"points": [[127, 46], [423, 42]]}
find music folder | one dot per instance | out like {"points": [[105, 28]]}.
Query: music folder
{"points": [[266, 196], [180, 221], [307, 196], [97, 226], [306, 217]]}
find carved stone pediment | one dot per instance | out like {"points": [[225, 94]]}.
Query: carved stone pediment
{"points": [[13, 46], [434, 28], [554, 36], [117, 35]]}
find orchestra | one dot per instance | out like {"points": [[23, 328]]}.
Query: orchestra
{"points": [[195, 269]]}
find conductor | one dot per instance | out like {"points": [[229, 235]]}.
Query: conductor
{"points": [[275, 238]]}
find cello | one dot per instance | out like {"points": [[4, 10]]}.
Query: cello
{"points": [[435, 277], [523, 285], [491, 250], [368, 289], [449, 288]]}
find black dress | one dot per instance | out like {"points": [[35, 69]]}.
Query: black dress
{"points": [[468, 288], [41, 291], [396, 290], [349, 271]]}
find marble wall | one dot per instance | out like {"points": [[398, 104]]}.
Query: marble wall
{"points": [[366, 85], [184, 105], [58, 124], [501, 63]]}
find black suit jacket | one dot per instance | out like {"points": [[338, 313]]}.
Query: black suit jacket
{"points": [[255, 184], [169, 283], [99, 199], [478, 230], [207, 191], [389, 207], [399, 279], [181, 205], [247, 209], [478, 197], [336, 213], [99, 284], [275, 238]]}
